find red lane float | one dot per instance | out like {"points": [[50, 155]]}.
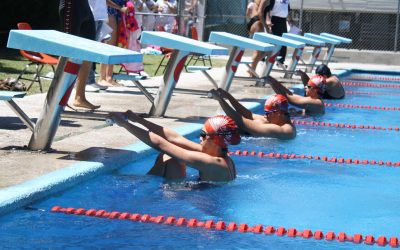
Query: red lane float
{"points": [[340, 160], [343, 125], [233, 227], [351, 106], [368, 84], [370, 93], [375, 77]]}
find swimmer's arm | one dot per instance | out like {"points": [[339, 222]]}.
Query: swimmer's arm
{"points": [[304, 102], [233, 114], [278, 87], [236, 105], [167, 133], [270, 130]]}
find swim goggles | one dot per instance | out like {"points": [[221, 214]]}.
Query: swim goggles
{"points": [[203, 133]]}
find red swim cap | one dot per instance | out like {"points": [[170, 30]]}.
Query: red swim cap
{"points": [[276, 102], [223, 130], [318, 82]]}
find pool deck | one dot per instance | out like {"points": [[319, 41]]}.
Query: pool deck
{"points": [[81, 141]]}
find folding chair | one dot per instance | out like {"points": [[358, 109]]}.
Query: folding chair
{"points": [[167, 52], [197, 57], [37, 59]]}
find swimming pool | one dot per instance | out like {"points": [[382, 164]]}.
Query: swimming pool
{"points": [[296, 193]]}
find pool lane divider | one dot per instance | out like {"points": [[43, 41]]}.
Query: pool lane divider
{"points": [[352, 106], [368, 84], [379, 78], [371, 93], [343, 125], [319, 158], [232, 226]]}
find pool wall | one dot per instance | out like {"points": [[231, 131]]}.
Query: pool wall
{"points": [[28, 192]]}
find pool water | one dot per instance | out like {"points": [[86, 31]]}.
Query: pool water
{"points": [[293, 193]]}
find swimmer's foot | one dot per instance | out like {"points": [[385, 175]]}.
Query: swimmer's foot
{"points": [[85, 104]]}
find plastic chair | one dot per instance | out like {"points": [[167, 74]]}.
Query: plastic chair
{"points": [[167, 52], [197, 57], [37, 59]]}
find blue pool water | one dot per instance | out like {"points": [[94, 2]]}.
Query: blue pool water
{"points": [[299, 193]]}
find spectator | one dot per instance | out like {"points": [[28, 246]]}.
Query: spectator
{"points": [[166, 7], [115, 8], [77, 19]]}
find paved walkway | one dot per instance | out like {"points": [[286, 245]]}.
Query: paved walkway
{"points": [[83, 140]]}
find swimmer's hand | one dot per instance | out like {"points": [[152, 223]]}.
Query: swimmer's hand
{"points": [[132, 116], [222, 93], [298, 72], [215, 95], [118, 118]]}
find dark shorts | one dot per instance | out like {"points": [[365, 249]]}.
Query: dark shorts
{"points": [[77, 19], [252, 21]]}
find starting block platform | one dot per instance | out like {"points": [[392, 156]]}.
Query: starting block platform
{"points": [[330, 42], [317, 44], [279, 42], [239, 45], [182, 47], [72, 51]]}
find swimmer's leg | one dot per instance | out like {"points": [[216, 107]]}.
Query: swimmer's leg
{"points": [[168, 167]]}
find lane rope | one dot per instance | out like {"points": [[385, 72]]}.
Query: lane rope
{"points": [[232, 226], [367, 84], [370, 93], [381, 78], [341, 160], [343, 125], [352, 106]]}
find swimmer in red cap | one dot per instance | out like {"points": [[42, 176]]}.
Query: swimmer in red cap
{"points": [[334, 88], [210, 157], [311, 103], [274, 123]]}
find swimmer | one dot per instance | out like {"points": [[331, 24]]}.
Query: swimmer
{"points": [[274, 123], [210, 156], [334, 88], [311, 103]]}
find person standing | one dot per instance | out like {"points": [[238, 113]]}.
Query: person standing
{"points": [[280, 14], [77, 19]]}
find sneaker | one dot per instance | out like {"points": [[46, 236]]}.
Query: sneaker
{"points": [[91, 88], [101, 87]]}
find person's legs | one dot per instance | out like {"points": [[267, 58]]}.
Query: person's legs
{"points": [[107, 70], [257, 55], [80, 97], [278, 29]]}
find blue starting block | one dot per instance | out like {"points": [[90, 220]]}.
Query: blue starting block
{"points": [[331, 44], [317, 44], [239, 45], [182, 47], [279, 42], [340, 38], [8, 97], [72, 50]]}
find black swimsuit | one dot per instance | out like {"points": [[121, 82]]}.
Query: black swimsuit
{"points": [[257, 18]]}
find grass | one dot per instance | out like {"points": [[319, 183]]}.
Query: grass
{"points": [[12, 63]]}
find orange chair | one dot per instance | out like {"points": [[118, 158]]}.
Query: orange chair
{"points": [[197, 57], [37, 59], [167, 52]]}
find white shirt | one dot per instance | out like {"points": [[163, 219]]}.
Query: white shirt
{"points": [[281, 8], [99, 9]]}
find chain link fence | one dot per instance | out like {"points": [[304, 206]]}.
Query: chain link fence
{"points": [[374, 25]]}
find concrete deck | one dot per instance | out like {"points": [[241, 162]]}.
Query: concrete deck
{"points": [[80, 140]]}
